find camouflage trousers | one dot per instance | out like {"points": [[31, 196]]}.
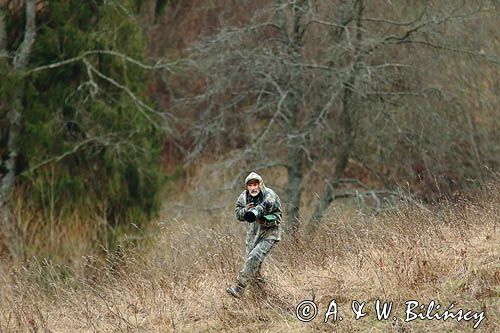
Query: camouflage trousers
{"points": [[253, 262]]}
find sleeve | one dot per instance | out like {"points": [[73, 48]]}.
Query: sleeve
{"points": [[273, 212], [239, 211]]}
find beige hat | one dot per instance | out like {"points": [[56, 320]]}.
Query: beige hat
{"points": [[255, 176]]}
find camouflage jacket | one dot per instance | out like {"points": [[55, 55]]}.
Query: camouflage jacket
{"points": [[260, 229]]}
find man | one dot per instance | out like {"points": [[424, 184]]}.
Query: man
{"points": [[259, 208]]}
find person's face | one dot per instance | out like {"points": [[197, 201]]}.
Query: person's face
{"points": [[253, 188]]}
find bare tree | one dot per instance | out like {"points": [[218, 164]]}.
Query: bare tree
{"points": [[369, 84], [271, 73], [311, 78]]}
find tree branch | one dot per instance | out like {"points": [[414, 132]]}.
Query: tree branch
{"points": [[22, 55], [489, 58], [140, 104], [397, 23], [3, 34], [158, 65], [15, 114], [63, 155], [432, 21]]}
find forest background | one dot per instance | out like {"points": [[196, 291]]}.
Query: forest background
{"points": [[122, 118]]}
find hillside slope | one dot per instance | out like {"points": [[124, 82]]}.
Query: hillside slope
{"points": [[177, 282]]}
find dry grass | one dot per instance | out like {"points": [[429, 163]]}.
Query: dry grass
{"points": [[176, 283]]}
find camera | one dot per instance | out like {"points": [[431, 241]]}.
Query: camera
{"points": [[252, 215]]}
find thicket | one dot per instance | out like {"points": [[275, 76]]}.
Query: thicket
{"points": [[338, 98], [88, 140]]}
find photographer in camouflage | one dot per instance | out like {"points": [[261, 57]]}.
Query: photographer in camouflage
{"points": [[259, 207]]}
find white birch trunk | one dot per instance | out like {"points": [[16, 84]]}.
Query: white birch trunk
{"points": [[15, 114]]}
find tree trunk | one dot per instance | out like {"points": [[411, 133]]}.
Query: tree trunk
{"points": [[3, 35], [347, 131], [295, 168], [295, 151], [15, 117], [15, 113], [23, 53]]}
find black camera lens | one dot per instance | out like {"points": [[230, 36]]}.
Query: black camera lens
{"points": [[251, 215]]}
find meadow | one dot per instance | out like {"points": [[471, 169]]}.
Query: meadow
{"points": [[175, 280]]}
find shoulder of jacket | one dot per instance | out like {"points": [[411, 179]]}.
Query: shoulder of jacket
{"points": [[242, 196], [269, 193]]}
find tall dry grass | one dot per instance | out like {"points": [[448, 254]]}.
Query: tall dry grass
{"points": [[176, 282]]}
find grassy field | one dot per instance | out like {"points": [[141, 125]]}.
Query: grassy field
{"points": [[176, 281]]}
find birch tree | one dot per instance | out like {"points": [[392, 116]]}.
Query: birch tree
{"points": [[14, 116]]}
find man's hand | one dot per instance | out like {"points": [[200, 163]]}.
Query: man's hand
{"points": [[249, 206]]}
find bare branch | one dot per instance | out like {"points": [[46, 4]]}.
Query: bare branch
{"points": [[397, 23], [22, 55], [492, 59], [75, 148], [108, 140], [327, 23], [432, 21], [158, 65], [142, 107], [3, 34], [55, 65]]}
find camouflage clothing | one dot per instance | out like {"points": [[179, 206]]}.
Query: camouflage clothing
{"points": [[254, 259], [262, 234], [261, 229]]}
